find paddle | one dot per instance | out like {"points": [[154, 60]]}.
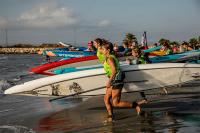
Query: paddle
{"points": [[78, 93], [50, 100]]}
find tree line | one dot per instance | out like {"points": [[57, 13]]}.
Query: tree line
{"points": [[44, 45], [193, 42]]}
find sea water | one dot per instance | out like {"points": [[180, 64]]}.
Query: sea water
{"points": [[14, 69]]}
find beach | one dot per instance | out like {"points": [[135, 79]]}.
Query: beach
{"points": [[176, 112]]}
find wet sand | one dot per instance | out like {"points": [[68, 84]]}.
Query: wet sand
{"points": [[179, 111]]}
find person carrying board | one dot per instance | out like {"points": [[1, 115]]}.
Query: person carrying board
{"points": [[115, 83]]}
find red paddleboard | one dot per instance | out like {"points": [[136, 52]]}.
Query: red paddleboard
{"points": [[46, 69]]}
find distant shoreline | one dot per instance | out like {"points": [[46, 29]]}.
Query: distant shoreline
{"points": [[23, 50], [28, 48]]}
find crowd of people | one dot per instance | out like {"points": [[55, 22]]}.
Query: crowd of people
{"points": [[175, 48]]}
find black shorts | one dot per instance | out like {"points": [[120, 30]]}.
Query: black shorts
{"points": [[117, 84]]}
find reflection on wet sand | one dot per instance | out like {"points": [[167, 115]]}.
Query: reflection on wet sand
{"points": [[161, 115], [149, 122]]}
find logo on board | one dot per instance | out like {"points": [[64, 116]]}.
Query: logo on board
{"points": [[75, 88]]}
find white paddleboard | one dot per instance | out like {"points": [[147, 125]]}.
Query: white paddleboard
{"points": [[92, 82]]}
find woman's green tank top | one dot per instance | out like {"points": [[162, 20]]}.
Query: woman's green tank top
{"points": [[142, 60], [169, 51], [100, 56], [107, 67]]}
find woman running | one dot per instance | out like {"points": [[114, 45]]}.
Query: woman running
{"points": [[115, 83]]}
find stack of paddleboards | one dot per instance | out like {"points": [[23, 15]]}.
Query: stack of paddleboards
{"points": [[70, 65]]}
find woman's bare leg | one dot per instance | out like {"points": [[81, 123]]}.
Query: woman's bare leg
{"points": [[116, 99], [107, 102]]}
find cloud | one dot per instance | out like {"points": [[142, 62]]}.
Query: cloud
{"points": [[3, 22], [104, 23], [48, 15]]}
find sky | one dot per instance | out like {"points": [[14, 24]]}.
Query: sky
{"points": [[78, 21]]}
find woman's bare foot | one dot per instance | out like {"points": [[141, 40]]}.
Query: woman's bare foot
{"points": [[109, 119], [138, 109], [142, 102]]}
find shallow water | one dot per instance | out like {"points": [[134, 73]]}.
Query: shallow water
{"points": [[14, 69], [178, 113]]}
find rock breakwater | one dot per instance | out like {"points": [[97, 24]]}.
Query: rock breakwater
{"points": [[22, 50]]}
